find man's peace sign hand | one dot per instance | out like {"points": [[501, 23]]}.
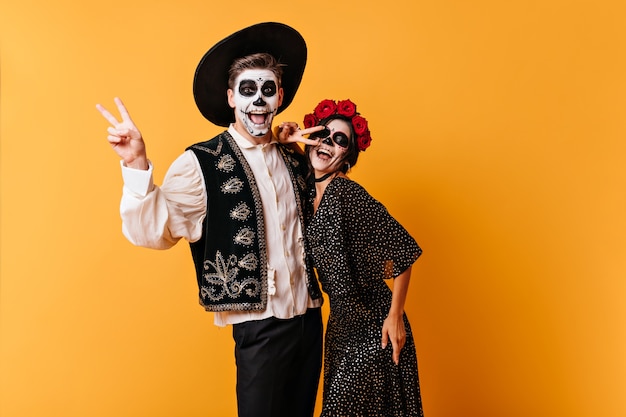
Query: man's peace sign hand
{"points": [[125, 138]]}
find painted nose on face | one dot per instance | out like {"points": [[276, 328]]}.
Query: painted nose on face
{"points": [[259, 101], [327, 141]]}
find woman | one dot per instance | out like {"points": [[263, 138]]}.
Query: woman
{"points": [[356, 244]]}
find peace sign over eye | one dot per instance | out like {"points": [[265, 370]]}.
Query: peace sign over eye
{"points": [[289, 132]]}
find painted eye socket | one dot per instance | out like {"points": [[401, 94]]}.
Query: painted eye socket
{"points": [[269, 89], [338, 137], [247, 88]]}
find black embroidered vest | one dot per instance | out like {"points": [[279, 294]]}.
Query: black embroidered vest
{"points": [[231, 256]]}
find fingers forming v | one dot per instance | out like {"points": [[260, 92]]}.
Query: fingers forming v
{"points": [[107, 115], [112, 119], [312, 129], [122, 110]]}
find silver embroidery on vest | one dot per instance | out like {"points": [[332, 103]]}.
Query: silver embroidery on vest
{"points": [[232, 186], [226, 163], [215, 152], [249, 262], [245, 236], [301, 183], [241, 212], [221, 275], [294, 162]]}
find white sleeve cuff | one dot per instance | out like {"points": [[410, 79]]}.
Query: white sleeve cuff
{"points": [[138, 181]]}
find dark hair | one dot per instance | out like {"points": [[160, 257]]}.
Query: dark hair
{"points": [[351, 155], [260, 60]]}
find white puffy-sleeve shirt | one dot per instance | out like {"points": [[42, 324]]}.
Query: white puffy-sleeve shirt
{"points": [[158, 217]]}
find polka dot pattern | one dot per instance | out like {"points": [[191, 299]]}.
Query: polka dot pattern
{"points": [[356, 244]]}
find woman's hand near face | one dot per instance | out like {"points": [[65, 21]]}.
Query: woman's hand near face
{"points": [[289, 133]]}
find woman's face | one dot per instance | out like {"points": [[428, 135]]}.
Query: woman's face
{"points": [[328, 156]]}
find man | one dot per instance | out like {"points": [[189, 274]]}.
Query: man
{"points": [[239, 200]]}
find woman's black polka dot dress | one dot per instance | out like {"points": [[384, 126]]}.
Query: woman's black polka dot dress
{"points": [[356, 244]]}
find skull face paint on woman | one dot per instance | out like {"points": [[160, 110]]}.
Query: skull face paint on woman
{"points": [[255, 98], [329, 155]]}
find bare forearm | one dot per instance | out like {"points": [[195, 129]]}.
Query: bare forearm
{"points": [[400, 290]]}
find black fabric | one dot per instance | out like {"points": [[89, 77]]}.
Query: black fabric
{"points": [[278, 365], [356, 244], [223, 283]]}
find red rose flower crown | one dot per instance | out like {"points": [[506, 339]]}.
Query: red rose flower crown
{"points": [[346, 108]]}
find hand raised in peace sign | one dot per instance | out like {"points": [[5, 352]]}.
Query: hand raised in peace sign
{"points": [[125, 138]]}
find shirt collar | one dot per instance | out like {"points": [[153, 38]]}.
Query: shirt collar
{"points": [[245, 143]]}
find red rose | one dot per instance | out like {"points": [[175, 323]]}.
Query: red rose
{"points": [[325, 108], [310, 120], [346, 108], [364, 141], [360, 125]]}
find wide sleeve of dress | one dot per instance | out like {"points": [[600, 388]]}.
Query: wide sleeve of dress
{"points": [[379, 243]]}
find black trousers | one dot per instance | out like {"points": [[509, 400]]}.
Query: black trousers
{"points": [[278, 365]]}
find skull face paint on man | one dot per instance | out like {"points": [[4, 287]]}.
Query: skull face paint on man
{"points": [[255, 98]]}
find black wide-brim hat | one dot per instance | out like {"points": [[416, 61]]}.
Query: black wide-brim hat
{"points": [[210, 83]]}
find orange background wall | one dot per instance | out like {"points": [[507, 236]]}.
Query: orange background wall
{"points": [[499, 142]]}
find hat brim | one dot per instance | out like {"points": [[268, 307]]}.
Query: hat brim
{"points": [[211, 79]]}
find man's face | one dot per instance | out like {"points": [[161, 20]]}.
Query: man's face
{"points": [[255, 98]]}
